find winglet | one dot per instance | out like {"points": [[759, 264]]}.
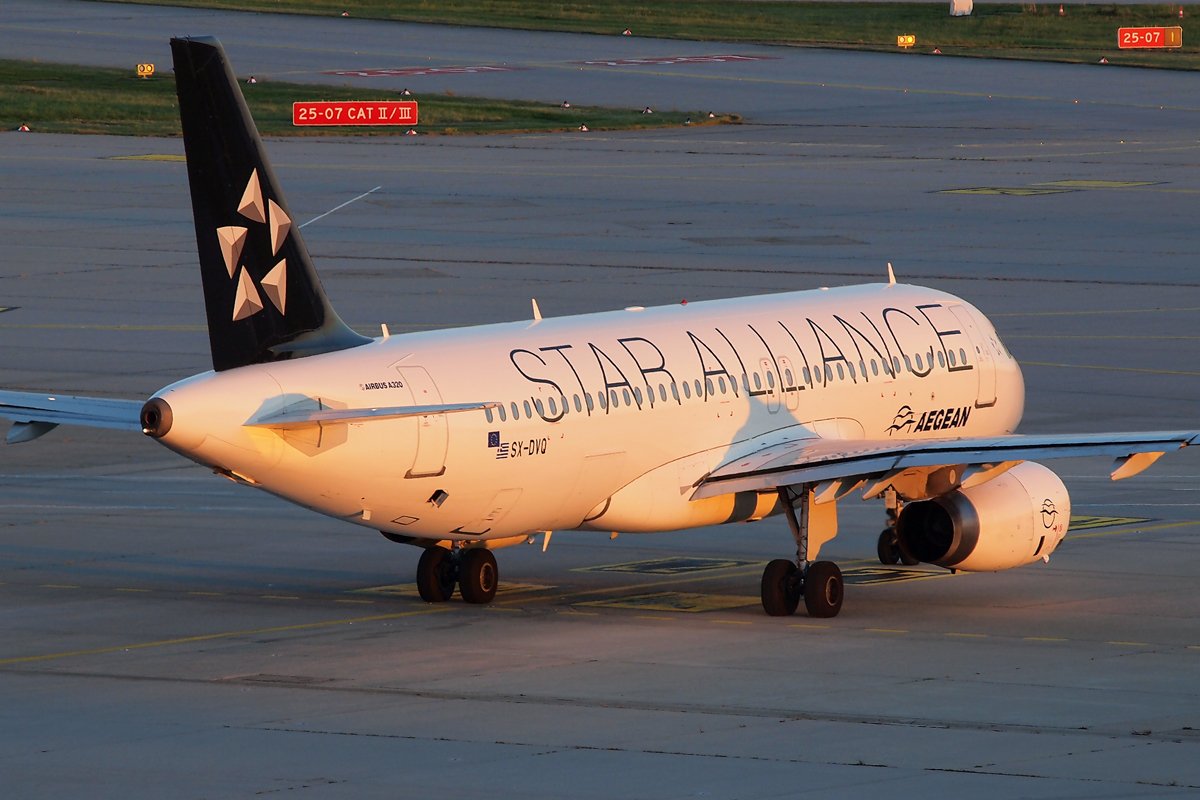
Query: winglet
{"points": [[891, 275], [537, 312]]}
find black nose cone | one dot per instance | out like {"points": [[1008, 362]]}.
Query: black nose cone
{"points": [[156, 417]]}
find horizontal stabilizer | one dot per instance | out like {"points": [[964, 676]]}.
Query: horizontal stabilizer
{"points": [[815, 460], [290, 420], [36, 414]]}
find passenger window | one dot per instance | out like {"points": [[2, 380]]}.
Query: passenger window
{"points": [[602, 398], [874, 368], [828, 374], [662, 392], [841, 372], [920, 366], [907, 363], [615, 399], [699, 391], [962, 356], [708, 384], [807, 377], [590, 405], [528, 410], [675, 392], [787, 376], [500, 408], [578, 407], [721, 383], [850, 369], [941, 359], [515, 414], [771, 380], [554, 408], [757, 382], [687, 390], [637, 395], [952, 358]]}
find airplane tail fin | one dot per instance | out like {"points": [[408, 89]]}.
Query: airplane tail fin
{"points": [[263, 298]]}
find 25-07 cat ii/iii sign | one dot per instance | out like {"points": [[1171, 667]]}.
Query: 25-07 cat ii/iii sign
{"points": [[355, 112]]}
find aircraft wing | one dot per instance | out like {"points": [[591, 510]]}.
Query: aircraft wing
{"points": [[288, 420], [33, 414], [817, 460]]}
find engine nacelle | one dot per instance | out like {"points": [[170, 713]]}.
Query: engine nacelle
{"points": [[1011, 520]]}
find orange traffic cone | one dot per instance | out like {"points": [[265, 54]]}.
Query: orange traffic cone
{"points": [[1062, 12]]}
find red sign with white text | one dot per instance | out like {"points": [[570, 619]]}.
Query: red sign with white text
{"points": [[1149, 38], [355, 112]]}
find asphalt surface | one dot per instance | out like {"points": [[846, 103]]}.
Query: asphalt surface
{"points": [[168, 634]]}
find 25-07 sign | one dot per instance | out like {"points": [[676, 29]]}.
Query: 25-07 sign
{"points": [[355, 112]]}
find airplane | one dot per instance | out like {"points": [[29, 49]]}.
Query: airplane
{"points": [[467, 440]]}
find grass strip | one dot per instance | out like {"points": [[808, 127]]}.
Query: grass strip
{"points": [[1034, 31], [54, 98]]}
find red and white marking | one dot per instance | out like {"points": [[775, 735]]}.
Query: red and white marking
{"points": [[417, 71], [668, 60]]}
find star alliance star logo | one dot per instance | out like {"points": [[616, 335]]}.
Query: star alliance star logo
{"points": [[248, 301]]}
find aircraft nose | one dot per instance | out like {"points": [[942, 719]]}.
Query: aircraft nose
{"points": [[156, 417]]}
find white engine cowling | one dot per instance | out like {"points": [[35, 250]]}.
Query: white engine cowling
{"points": [[1011, 520]]}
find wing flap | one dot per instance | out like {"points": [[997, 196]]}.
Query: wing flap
{"points": [[816, 460], [302, 418], [34, 415]]}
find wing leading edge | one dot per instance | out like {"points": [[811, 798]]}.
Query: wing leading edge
{"points": [[816, 460], [34, 415]]}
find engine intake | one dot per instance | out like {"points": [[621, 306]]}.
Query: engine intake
{"points": [[1011, 520]]}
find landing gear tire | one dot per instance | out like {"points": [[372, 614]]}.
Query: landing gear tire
{"points": [[823, 589], [436, 575], [888, 548], [890, 552], [780, 588], [478, 576]]}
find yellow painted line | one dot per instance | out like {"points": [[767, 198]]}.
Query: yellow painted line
{"points": [[278, 597], [968, 635], [1140, 370], [62, 326], [208, 637], [886, 630], [1135, 529], [207, 594], [150, 157], [575, 613], [732, 622], [1083, 522], [58, 586], [132, 591], [1045, 639], [1007, 191], [1097, 184], [809, 625], [355, 602], [657, 619], [1129, 644], [1193, 647]]}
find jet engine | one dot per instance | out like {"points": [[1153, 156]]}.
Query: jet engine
{"points": [[1011, 520]]}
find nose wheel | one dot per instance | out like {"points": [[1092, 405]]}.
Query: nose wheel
{"points": [[473, 571]]}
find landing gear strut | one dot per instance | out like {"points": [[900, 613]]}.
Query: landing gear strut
{"points": [[784, 582], [473, 570]]}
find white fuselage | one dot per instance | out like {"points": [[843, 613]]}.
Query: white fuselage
{"points": [[604, 421]]}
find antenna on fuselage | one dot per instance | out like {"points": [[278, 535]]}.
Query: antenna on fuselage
{"points": [[891, 275]]}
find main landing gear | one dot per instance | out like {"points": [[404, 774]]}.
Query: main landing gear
{"points": [[785, 582], [473, 570]]}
